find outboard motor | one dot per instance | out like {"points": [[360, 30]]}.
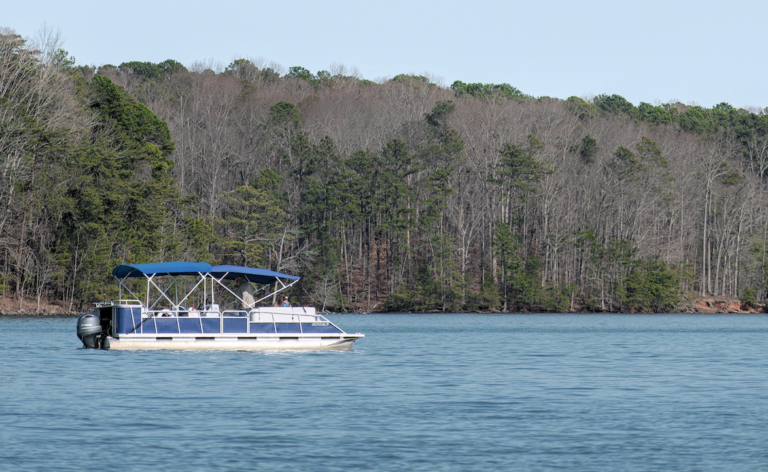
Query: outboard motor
{"points": [[89, 330]]}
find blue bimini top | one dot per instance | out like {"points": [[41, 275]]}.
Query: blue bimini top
{"points": [[161, 268], [259, 276]]}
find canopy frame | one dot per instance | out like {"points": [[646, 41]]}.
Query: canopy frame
{"points": [[261, 276], [252, 305]]}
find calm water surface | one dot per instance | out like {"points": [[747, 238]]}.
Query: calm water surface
{"points": [[419, 392]]}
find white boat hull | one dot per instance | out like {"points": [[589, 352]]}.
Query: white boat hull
{"points": [[251, 343]]}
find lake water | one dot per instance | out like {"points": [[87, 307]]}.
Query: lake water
{"points": [[419, 392]]}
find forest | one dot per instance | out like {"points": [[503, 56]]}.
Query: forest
{"points": [[398, 195]]}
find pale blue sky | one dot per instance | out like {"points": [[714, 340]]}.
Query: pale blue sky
{"points": [[701, 51]]}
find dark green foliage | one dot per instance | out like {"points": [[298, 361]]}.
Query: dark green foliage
{"points": [[557, 299], [526, 286], [486, 299], [439, 115], [284, 113], [396, 167], [615, 105], [152, 71], [248, 74], [626, 164], [519, 168], [697, 120], [269, 75], [749, 296], [440, 155], [423, 297], [269, 181], [301, 73], [517, 171], [429, 293], [650, 152], [199, 235], [120, 193], [412, 80], [244, 70], [437, 190], [135, 120], [657, 115], [105, 69], [580, 108], [446, 271], [587, 149], [486, 90], [750, 128], [252, 216], [651, 285], [630, 283], [521, 278], [732, 177], [62, 60], [508, 91]]}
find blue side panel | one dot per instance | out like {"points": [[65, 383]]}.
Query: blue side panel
{"points": [[291, 328], [262, 328], [329, 328], [211, 325], [190, 325], [235, 325], [149, 327], [127, 318], [167, 326]]}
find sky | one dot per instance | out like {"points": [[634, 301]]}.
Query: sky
{"points": [[697, 52]]}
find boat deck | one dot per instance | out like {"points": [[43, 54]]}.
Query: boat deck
{"points": [[259, 328]]}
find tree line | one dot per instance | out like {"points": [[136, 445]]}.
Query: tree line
{"points": [[398, 195]]}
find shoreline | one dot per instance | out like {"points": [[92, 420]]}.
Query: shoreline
{"points": [[756, 313], [699, 306]]}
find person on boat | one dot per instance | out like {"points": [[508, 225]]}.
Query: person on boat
{"points": [[246, 293], [286, 303]]}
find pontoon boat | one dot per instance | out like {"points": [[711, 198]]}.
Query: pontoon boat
{"points": [[178, 309]]}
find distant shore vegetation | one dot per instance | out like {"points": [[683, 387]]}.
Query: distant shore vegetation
{"points": [[396, 195]]}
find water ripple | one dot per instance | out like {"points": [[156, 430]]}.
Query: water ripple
{"points": [[420, 392]]}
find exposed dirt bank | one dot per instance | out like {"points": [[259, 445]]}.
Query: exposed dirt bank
{"points": [[10, 307], [725, 305]]}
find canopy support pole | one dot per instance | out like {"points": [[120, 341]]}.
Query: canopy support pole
{"points": [[162, 292], [277, 290], [202, 278], [227, 288], [120, 283]]}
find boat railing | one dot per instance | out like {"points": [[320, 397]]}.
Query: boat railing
{"points": [[125, 302], [179, 312], [253, 315], [263, 320]]}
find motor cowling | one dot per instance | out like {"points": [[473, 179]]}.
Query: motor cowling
{"points": [[89, 330]]}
